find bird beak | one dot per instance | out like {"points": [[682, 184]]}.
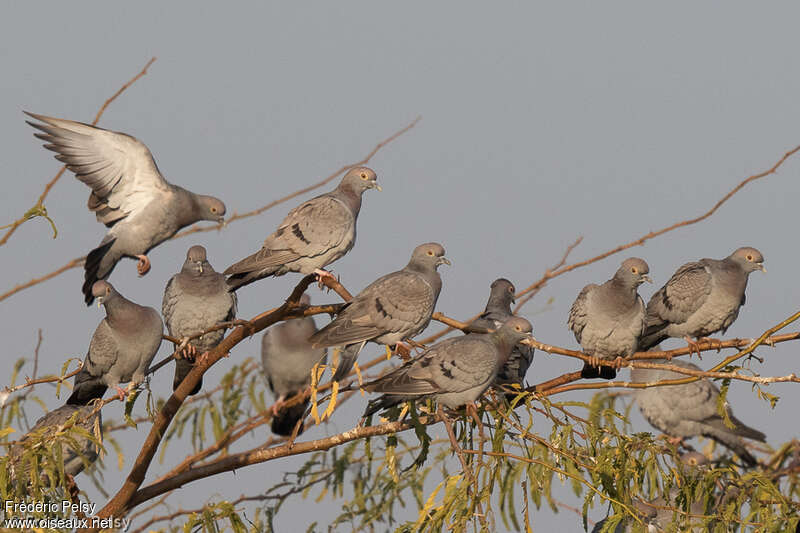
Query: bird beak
{"points": [[514, 299], [99, 301], [648, 279], [443, 261], [376, 186], [220, 220], [762, 268], [200, 267]]}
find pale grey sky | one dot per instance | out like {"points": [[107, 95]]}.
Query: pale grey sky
{"points": [[542, 122]]}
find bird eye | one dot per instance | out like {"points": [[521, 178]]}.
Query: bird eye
{"points": [[518, 328], [213, 209], [363, 175], [749, 257], [511, 290], [430, 253], [634, 270]]}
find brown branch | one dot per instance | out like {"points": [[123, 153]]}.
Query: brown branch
{"points": [[260, 455], [79, 260], [550, 274], [530, 294], [40, 202]]}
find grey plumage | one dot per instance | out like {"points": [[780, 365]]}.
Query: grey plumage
{"points": [[608, 319], [496, 312], [391, 309], [288, 357], [195, 299], [77, 448], [313, 235], [129, 194], [122, 347], [701, 298], [690, 410], [455, 371]]}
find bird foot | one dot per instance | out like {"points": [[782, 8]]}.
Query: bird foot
{"points": [[594, 361], [715, 343], [321, 275], [122, 393], [143, 266], [403, 350], [674, 441], [694, 347], [619, 362], [189, 353], [277, 406]]}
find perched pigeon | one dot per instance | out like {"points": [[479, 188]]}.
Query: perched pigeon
{"points": [[196, 299], [78, 450], [288, 358], [608, 319], [122, 347], [455, 371], [498, 310], [129, 194], [392, 308], [701, 298], [690, 410], [658, 514], [313, 235]]}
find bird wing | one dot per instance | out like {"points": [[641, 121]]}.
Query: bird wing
{"points": [[118, 168]]}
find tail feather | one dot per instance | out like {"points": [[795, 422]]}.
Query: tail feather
{"points": [[285, 421], [86, 389], [384, 402], [347, 359], [182, 369], [92, 268]]}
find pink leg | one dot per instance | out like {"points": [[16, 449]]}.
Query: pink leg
{"points": [[143, 267], [122, 393], [322, 274]]}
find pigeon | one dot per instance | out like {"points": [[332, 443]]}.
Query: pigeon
{"points": [[690, 410], [701, 298], [77, 450], [455, 371], [497, 311], [287, 359], [608, 319], [129, 194], [122, 347], [313, 235], [196, 299], [658, 514], [391, 309]]}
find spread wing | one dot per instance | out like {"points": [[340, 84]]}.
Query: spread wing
{"points": [[119, 169]]}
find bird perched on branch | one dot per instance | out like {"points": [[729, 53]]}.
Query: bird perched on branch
{"points": [[389, 310], [701, 298], [456, 371], [497, 311], [129, 194], [122, 347], [608, 319], [196, 299], [313, 235], [288, 358], [690, 409], [78, 450]]}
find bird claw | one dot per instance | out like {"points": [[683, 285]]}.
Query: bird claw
{"points": [[618, 362], [321, 275], [122, 393], [189, 352], [694, 347], [403, 350], [143, 266]]}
